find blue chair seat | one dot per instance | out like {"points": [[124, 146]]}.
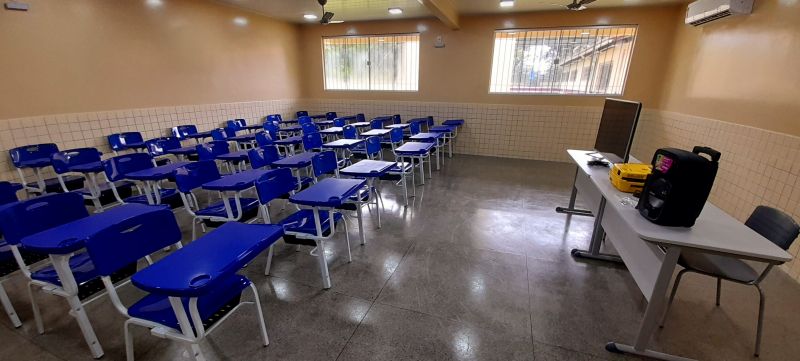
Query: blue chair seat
{"points": [[169, 197], [80, 264], [218, 209], [52, 185], [156, 308]]}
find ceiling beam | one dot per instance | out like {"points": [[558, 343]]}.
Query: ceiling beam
{"points": [[445, 10]]}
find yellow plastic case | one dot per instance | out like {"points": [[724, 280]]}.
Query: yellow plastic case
{"points": [[629, 177]]}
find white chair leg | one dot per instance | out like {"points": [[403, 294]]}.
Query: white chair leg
{"points": [[37, 316], [12, 314], [257, 304], [347, 239], [128, 341], [323, 265], [269, 260]]}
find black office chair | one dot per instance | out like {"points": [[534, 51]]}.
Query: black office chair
{"points": [[771, 223]]}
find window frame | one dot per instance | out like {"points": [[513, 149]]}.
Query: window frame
{"points": [[324, 77], [592, 72]]}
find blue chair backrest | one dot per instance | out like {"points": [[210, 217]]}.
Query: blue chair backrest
{"points": [[330, 115], [220, 134], [396, 119], [119, 141], [361, 118], [274, 184], [34, 215], [213, 149], [63, 160], [324, 163], [273, 118], [160, 146], [305, 120], [182, 131], [373, 145], [236, 124], [312, 141], [430, 121], [309, 128], [117, 167], [123, 243], [376, 123], [25, 153], [195, 174], [302, 113], [349, 132], [272, 129], [263, 156], [415, 127], [396, 135], [264, 139], [8, 193], [339, 122]]}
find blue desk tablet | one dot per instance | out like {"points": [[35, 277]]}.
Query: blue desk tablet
{"points": [[93, 167], [401, 126], [237, 181], [323, 122], [343, 143], [157, 173], [291, 129], [427, 136], [368, 168], [199, 135], [301, 160], [360, 124], [376, 132], [329, 192], [455, 122], [72, 236], [443, 128], [414, 148], [289, 141], [184, 150], [234, 156], [198, 267], [332, 130]]}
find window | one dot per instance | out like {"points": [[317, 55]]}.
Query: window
{"points": [[375, 62], [548, 61]]}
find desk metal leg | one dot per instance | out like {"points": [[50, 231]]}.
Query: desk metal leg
{"points": [[598, 234], [6, 302], [571, 209], [653, 313], [422, 168], [359, 214], [61, 266]]}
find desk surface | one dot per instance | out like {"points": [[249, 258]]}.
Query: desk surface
{"points": [[72, 236], [197, 267], [156, 173], [401, 125], [414, 148], [375, 132], [237, 181], [184, 150], [343, 143], [295, 161], [332, 130], [425, 136], [329, 192], [368, 168], [360, 124], [714, 231], [290, 140], [93, 167]]}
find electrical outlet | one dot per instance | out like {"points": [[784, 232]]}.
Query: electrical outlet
{"points": [[439, 42]]}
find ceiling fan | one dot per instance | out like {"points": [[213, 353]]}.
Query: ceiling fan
{"points": [[326, 15], [577, 5]]}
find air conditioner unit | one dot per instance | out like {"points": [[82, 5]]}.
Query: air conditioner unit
{"points": [[704, 11]]}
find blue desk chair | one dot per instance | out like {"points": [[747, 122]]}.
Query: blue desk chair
{"points": [[325, 163], [414, 128], [339, 122], [395, 139], [86, 161], [330, 115], [309, 128], [118, 167], [312, 142], [191, 177], [184, 131], [301, 113], [124, 141], [25, 218], [349, 132], [36, 157], [273, 118], [159, 148], [370, 149], [264, 139], [360, 117], [262, 157], [214, 151], [273, 130], [305, 120], [377, 123], [229, 133], [396, 119], [301, 227]]}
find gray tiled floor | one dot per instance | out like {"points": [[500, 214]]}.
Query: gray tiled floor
{"points": [[477, 269]]}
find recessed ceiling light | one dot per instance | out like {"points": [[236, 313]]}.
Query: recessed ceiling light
{"points": [[336, 21], [154, 3], [310, 17], [507, 4], [240, 20], [395, 11]]}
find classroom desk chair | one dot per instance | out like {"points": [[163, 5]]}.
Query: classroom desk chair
{"points": [[36, 157], [330, 115], [301, 113], [312, 142], [159, 148], [370, 149], [117, 170], [770, 223], [263, 157], [125, 141], [87, 163]]}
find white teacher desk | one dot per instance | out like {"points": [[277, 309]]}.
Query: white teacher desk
{"points": [[649, 251]]}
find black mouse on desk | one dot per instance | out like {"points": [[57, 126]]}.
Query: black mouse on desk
{"points": [[597, 163]]}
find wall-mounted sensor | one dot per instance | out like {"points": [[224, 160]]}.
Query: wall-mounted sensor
{"points": [[16, 5], [439, 43]]}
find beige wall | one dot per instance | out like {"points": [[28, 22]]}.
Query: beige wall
{"points": [[461, 71], [66, 56], [743, 69]]}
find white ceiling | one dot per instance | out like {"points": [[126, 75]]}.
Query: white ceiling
{"points": [[353, 10]]}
